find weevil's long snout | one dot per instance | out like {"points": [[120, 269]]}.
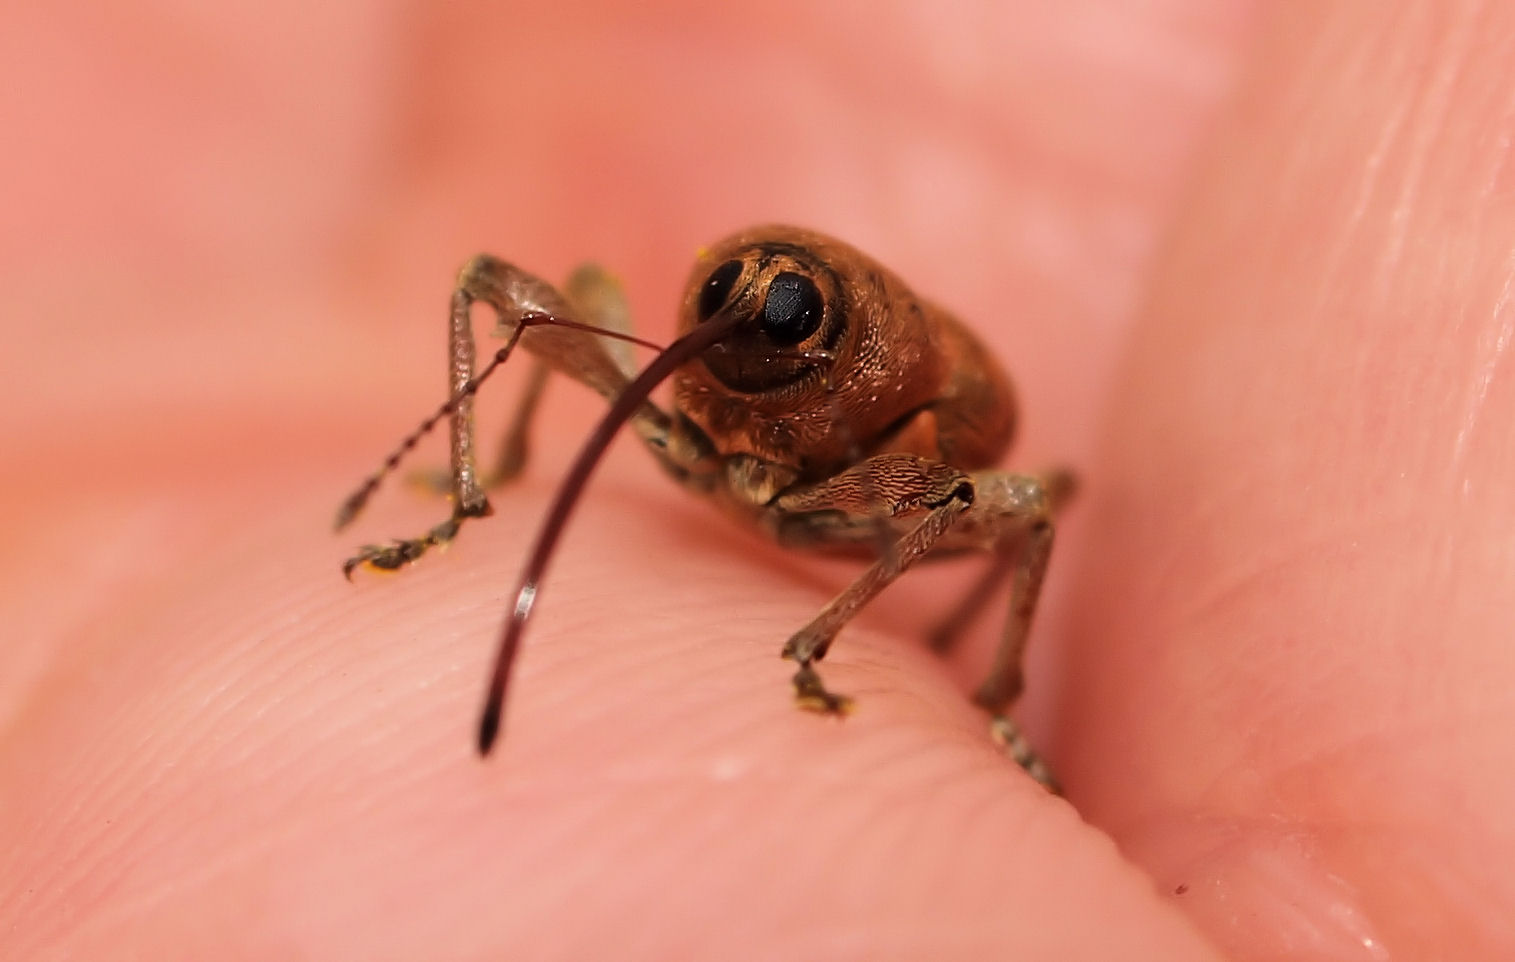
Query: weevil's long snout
{"points": [[676, 355]]}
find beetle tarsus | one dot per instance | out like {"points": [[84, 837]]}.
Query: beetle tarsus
{"points": [[404, 551], [811, 694], [1008, 735]]}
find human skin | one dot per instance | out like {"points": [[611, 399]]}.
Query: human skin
{"points": [[1273, 671]]}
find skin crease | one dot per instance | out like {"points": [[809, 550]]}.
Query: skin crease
{"points": [[1270, 323]]}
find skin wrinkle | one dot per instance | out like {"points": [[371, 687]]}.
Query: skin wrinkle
{"points": [[1297, 159], [1501, 151], [1218, 595], [1463, 888], [239, 853], [1210, 506], [122, 842], [1428, 107], [122, 909], [1236, 782], [1347, 244], [1493, 356], [1390, 132]]}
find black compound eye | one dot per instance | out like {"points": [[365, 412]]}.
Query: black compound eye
{"points": [[793, 309], [713, 295]]}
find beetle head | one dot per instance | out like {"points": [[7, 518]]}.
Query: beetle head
{"points": [[824, 336]]}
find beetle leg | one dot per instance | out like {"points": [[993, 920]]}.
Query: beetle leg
{"points": [[1019, 515], [600, 301], [1008, 736], [514, 448], [1058, 486], [585, 356], [920, 496], [1026, 557], [1006, 680], [516, 445], [945, 635], [1008, 514]]}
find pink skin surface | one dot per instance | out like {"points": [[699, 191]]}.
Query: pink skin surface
{"points": [[1253, 277]]}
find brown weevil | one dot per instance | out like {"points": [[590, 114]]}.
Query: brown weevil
{"points": [[815, 397]]}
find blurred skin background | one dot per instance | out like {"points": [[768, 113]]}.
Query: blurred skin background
{"points": [[1249, 268]]}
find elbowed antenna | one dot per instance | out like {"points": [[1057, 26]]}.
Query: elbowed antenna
{"points": [[677, 354], [355, 502]]}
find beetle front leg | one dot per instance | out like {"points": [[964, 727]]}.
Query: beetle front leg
{"points": [[1007, 514], [468, 499], [559, 341], [891, 488], [810, 643], [597, 300]]}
